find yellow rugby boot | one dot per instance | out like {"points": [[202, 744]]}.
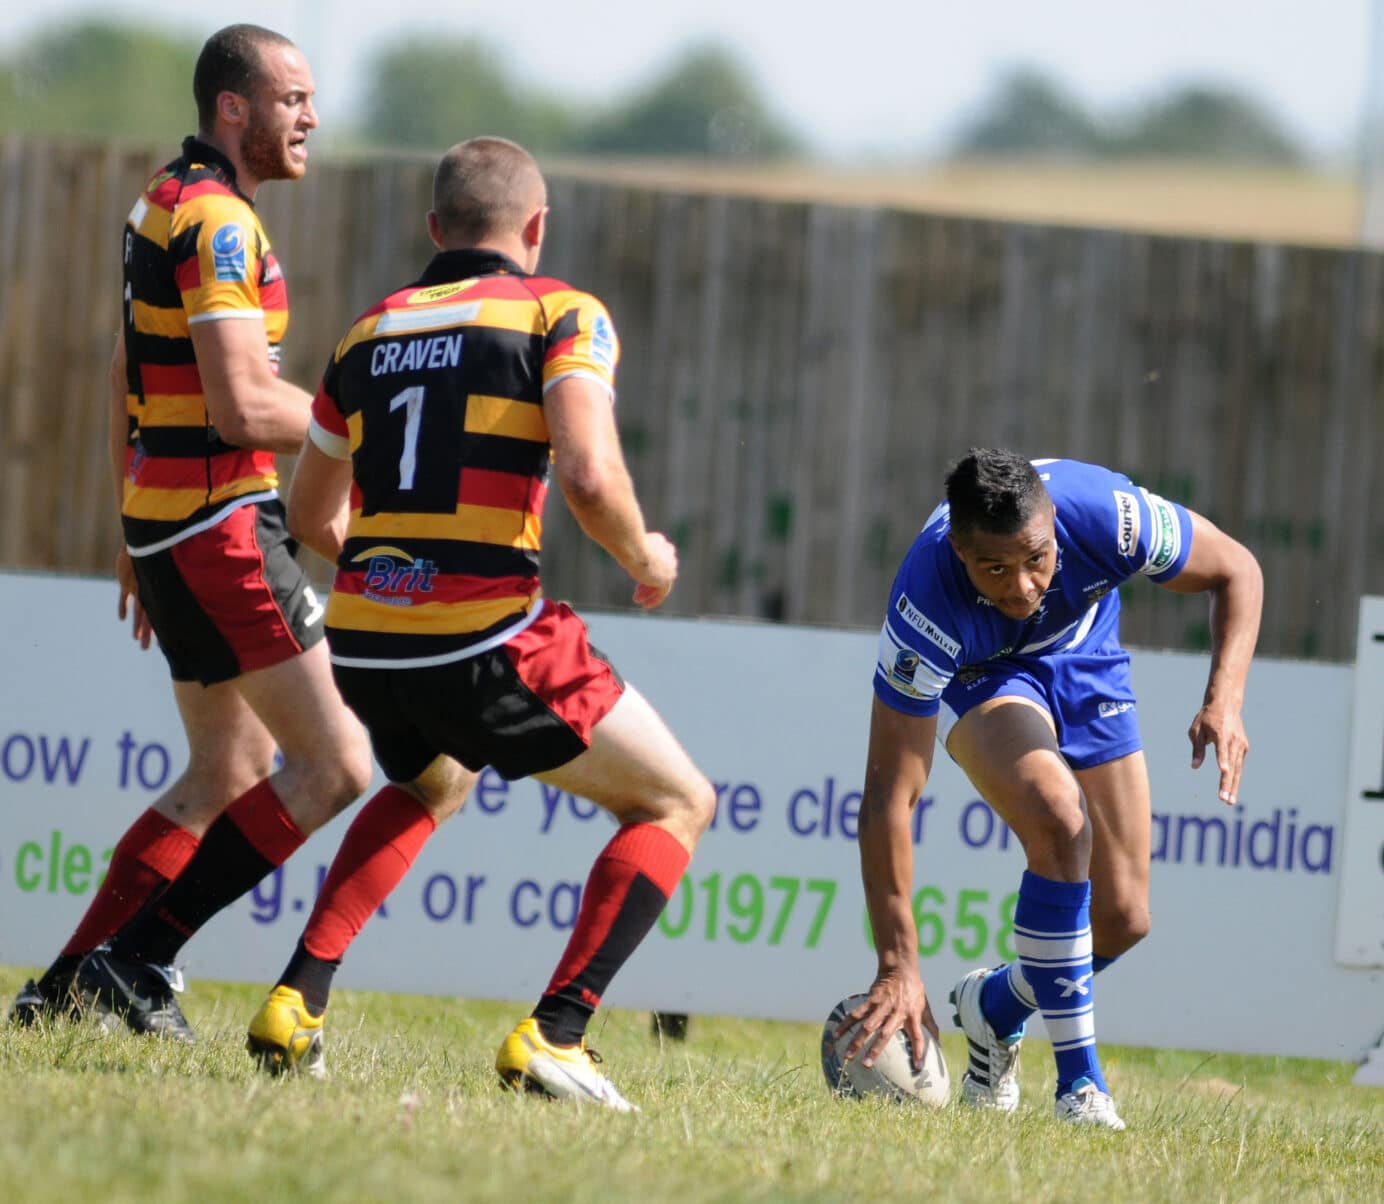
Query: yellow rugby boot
{"points": [[528, 1062], [286, 1037]]}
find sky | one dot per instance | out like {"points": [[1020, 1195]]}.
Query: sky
{"points": [[861, 79]]}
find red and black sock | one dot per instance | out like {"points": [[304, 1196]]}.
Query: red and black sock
{"points": [[381, 844], [147, 858], [627, 889], [252, 837]]}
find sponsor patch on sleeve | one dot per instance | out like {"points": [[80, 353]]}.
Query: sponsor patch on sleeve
{"points": [[915, 618], [228, 252], [907, 670], [603, 342], [1165, 535], [1127, 522]]}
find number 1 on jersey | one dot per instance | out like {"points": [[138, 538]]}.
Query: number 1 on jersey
{"points": [[412, 401]]}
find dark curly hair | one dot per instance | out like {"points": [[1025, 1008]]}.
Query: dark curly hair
{"points": [[994, 491]]}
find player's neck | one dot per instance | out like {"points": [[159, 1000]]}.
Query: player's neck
{"points": [[246, 182]]}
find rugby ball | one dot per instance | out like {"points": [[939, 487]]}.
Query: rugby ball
{"points": [[892, 1075]]}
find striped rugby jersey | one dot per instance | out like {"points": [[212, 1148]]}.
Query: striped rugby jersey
{"points": [[194, 252], [436, 397]]}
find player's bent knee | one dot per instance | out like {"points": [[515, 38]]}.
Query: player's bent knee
{"points": [[1057, 816], [352, 777], [702, 805], [1119, 930], [336, 777], [689, 809]]}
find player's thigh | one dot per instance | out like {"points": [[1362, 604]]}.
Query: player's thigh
{"points": [[1007, 747], [635, 768], [297, 700], [442, 787], [1118, 801]]}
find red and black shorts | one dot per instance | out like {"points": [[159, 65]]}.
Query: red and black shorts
{"points": [[522, 708], [230, 599]]}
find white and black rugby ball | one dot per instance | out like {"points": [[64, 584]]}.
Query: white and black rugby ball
{"points": [[892, 1075]]}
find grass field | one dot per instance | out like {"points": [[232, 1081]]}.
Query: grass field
{"points": [[739, 1111]]}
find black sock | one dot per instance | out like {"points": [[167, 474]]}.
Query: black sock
{"points": [[564, 1014], [224, 867], [562, 1020], [311, 976]]}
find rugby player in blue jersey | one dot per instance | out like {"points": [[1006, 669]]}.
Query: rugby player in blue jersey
{"points": [[1002, 637]]}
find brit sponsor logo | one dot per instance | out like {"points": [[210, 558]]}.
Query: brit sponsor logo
{"points": [[228, 252], [392, 576], [1127, 522], [920, 622], [1109, 708]]}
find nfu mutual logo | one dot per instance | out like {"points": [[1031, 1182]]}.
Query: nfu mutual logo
{"points": [[392, 576]]}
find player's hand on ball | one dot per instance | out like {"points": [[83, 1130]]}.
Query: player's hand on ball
{"points": [[897, 1000]]}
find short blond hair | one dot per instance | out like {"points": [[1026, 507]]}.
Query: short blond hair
{"points": [[484, 187]]}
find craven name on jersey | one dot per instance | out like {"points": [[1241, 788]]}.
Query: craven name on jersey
{"points": [[440, 351]]}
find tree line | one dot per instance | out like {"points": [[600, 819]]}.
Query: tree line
{"points": [[104, 79]]}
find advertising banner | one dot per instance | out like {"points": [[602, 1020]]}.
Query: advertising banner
{"points": [[770, 918], [1360, 915]]}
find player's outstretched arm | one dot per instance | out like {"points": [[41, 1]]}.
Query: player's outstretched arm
{"points": [[593, 477], [896, 771], [318, 501], [249, 406], [1227, 570]]}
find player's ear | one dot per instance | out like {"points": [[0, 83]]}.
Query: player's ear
{"points": [[434, 225], [536, 227], [232, 107]]}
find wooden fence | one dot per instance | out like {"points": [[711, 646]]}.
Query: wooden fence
{"points": [[796, 377]]}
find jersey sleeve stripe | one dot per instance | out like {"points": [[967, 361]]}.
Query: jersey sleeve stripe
{"points": [[584, 373], [215, 315], [338, 447]]}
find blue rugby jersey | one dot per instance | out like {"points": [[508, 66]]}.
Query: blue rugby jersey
{"points": [[937, 623]]}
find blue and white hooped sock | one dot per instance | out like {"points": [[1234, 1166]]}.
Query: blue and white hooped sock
{"points": [[1007, 1000], [1052, 932]]}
